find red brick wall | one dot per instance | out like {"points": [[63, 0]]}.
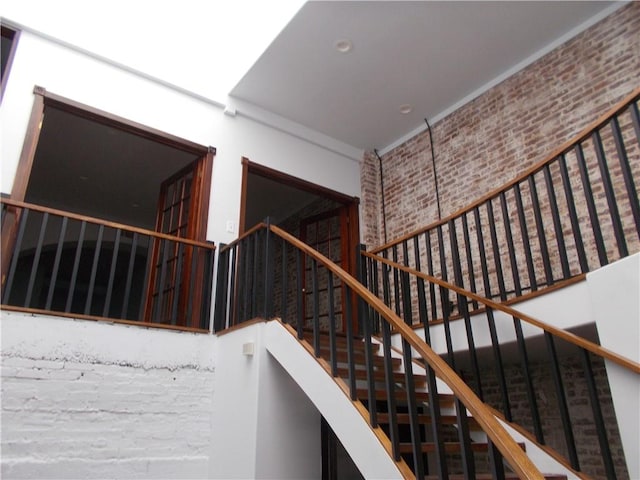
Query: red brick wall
{"points": [[500, 134]]}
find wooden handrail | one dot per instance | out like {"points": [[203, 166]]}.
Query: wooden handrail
{"points": [[106, 223], [511, 451], [558, 332], [584, 133], [251, 231]]}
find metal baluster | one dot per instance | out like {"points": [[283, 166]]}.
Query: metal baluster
{"points": [[207, 288], [222, 286], [206, 294], [483, 255], [76, 263], [533, 404], [56, 264], [467, 246], [94, 270], [591, 206], [496, 251], [557, 223], [444, 294], [510, 246], [254, 275], [627, 175], [610, 195], [333, 360], [390, 384], [537, 213], [350, 355], [422, 300], [524, 231], [497, 359], [368, 354], [36, 260], [300, 293], [575, 224], [495, 462], [412, 404], [234, 279], [396, 281], [316, 307], [147, 274], [268, 273], [432, 288], [562, 401], [598, 419], [285, 275], [24, 215], [463, 307], [177, 283], [112, 273], [245, 285], [160, 298]]}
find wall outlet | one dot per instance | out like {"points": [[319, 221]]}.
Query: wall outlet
{"points": [[231, 226]]}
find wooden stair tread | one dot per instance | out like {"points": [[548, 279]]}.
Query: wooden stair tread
{"points": [[357, 345], [449, 447], [401, 395], [424, 419], [379, 375], [358, 357]]}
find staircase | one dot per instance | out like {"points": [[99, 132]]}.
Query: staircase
{"points": [[399, 414], [452, 281]]}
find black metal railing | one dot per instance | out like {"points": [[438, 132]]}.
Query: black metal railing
{"points": [[547, 380], [267, 274], [75, 265], [570, 214]]}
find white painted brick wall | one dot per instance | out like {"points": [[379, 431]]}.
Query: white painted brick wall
{"points": [[88, 400]]}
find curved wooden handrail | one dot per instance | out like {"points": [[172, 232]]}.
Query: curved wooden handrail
{"points": [[510, 450], [558, 332], [584, 133], [251, 231], [106, 223]]}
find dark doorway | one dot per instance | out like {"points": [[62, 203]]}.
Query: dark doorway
{"points": [[119, 184], [324, 219]]}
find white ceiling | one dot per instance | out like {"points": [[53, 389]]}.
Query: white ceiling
{"points": [[432, 55]]}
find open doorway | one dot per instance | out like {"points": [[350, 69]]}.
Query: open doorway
{"points": [[322, 218], [117, 211]]}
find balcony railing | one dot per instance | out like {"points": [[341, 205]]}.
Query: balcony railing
{"points": [[71, 265], [572, 213]]}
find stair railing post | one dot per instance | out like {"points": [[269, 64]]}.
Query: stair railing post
{"points": [[361, 275], [268, 270]]}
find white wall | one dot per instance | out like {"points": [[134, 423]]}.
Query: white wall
{"points": [[350, 427], [266, 426], [87, 400], [614, 293], [101, 85]]}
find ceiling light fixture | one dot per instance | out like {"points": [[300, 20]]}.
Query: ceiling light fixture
{"points": [[344, 46], [405, 108]]}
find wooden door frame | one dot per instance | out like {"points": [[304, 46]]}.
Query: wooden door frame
{"points": [[44, 99], [352, 204]]}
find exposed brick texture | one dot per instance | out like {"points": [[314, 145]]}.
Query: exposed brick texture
{"points": [[498, 135], [576, 392]]}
